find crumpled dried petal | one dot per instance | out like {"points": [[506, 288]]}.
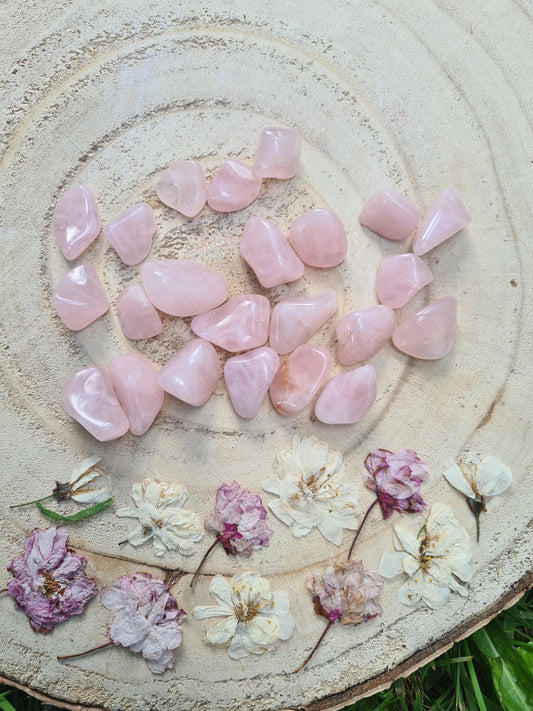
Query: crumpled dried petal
{"points": [[48, 581], [88, 483], [145, 618]]}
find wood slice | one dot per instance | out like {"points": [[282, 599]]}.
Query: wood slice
{"points": [[415, 97]]}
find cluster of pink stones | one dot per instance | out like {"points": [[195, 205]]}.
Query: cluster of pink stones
{"points": [[130, 393]]}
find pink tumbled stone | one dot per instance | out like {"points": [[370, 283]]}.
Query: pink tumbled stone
{"points": [[278, 153], [300, 378], [347, 397], [294, 321], [399, 278], [89, 397], [182, 187], [182, 288], [318, 238], [238, 325], [233, 187], [362, 333], [445, 216], [268, 253], [390, 215], [131, 232], [428, 334], [79, 297], [248, 377], [192, 374], [76, 222], [137, 316], [140, 395]]}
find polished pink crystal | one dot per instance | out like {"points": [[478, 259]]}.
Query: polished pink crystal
{"points": [[390, 215], [428, 334], [268, 253], [294, 321], [182, 186], [399, 278], [192, 374], [347, 397], [238, 325], [76, 222], [445, 216], [131, 232], [140, 395], [233, 187], [136, 314], [79, 297], [299, 378], [362, 333], [89, 397], [182, 288], [278, 153], [248, 377], [318, 238]]}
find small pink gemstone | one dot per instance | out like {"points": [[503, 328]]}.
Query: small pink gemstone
{"points": [[299, 379], [269, 254], [79, 297], [138, 318], [76, 222], [238, 325], [192, 374], [278, 153], [429, 333], [182, 288], [135, 381], [318, 238], [89, 397], [390, 215], [233, 187], [182, 187], [294, 321], [363, 333], [248, 377], [445, 216], [400, 278], [131, 233], [347, 397]]}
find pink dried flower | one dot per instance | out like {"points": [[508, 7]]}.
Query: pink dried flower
{"points": [[396, 478], [48, 581], [145, 618]]}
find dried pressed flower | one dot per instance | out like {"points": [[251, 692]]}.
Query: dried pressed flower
{"points": [[88, 484]]}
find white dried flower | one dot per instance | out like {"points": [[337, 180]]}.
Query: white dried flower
{"points": [[88, 484]]}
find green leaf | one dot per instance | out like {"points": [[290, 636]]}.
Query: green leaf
{"points": [[77, 516], [4, 703]]}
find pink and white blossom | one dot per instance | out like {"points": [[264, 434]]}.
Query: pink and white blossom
{"points": [[396, 478]]}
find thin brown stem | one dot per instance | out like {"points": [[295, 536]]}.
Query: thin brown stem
{"points": [[203, 561], [87, 651], [3, 590], [317, 645], [29, 503], [369, 509]]}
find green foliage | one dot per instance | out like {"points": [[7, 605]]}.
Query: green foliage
{"points": [[85, 513]]}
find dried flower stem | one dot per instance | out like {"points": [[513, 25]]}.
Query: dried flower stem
{"points": [[87, 651], [3, 590], [203, 561], [317, 645], [29, 503], [369, 509]]}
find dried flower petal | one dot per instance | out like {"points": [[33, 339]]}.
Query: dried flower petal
{"points": [[88, 483]]}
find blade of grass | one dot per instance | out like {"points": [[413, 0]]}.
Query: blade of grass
{"points": [[4, 703], [77, 516], [474, 680]]}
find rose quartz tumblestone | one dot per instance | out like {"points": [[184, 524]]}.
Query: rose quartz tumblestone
{"points": [[248, 377], [347, 397], [182, 187], [428, 334], [182, 288], [278, 153], [390, 215], [140, 395], [89, 397], [79, 297], [300, 378], [445, 216], [136, 314], [238, 325], [192, 374], [399, 278], [131, 232], [233, 187], [318, 238], [362, 333], [294, 321], [76, 223], [268, 253]]}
